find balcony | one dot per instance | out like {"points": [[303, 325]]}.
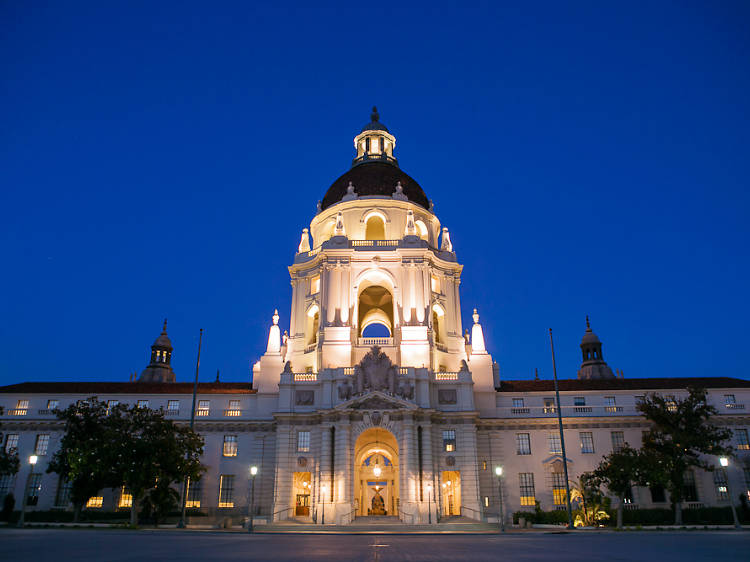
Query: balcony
{"points": [[734, 406], [380, 342], [232, 413], [518, 411], [612, 409], [18, 412], [45, 412], [305, 377], [582, 409], [172, 413], [446, 376]]}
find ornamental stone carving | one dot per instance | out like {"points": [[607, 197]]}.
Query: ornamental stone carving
{"points": [[375, 372]]}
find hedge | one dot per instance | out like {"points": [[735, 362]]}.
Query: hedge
{"points": [[657, 516]]}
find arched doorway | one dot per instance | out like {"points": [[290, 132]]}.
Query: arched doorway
{"points": [[376, 471], [375, 307]]}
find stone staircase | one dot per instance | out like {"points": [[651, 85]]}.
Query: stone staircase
{"points": [[381, 525]]}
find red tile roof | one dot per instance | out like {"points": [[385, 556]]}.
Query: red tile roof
{"points": [[623, 384], [97, 388]]}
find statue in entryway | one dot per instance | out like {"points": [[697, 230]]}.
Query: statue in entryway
{"points": [[378, 504]]}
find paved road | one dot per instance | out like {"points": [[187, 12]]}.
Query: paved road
{"points": [[41, 545]]}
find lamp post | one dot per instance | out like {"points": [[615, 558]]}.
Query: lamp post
{"points": [[429, 504], [499, 473], [183, 498], [32, 462], [251, 508], [724, 462], [324, 489]]}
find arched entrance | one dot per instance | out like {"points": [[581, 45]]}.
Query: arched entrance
{"points": [[376, 470]]}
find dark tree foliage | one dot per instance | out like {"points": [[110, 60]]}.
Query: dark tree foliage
{"points": [[617, 471], [681, 437], [8, 459]]}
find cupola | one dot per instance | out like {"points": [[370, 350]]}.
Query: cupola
{"points": [[160, 367], [593, 365], [374, 142]]}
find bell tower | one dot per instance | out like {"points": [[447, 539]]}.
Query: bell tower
{"points": [[160, 367]]}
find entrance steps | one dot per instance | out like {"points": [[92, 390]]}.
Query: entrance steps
{"points": [[382, 525]]}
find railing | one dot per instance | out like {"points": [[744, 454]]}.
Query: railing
{"points": [[371, 243], [612, 409], [446, 376], [403, 370], [233, 413], [18, 412], [582, 409], [45, 412], [313, 252], [380, 342], [479, 517], [631, 506], [172, 413], [286, 509], [694, 505], [549, 410], [569, 411], [348, 371], [409, 515], [204, 413], [734, 406], [305, 377], [519, 410]]}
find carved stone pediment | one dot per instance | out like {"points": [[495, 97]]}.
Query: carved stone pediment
{"points": [[375, 372], [376, 401]]}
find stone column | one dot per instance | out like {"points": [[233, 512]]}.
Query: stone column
{"points": [[428, 468], [325, 472], [283, 473], [407, 464]]}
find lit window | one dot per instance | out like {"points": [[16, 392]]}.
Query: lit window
{"points": [[579, 401], [303, 441], [22, 408], [194, 493], [587, 442], [484, 465], [173, 406], [111, 404], [52, 404], [729, 399], [449, 440], [559, 493], [11, 443], [95, 501], [143, 403], [126, 498], [486, 501], [42, 444], [62, 497], [230, 446], [226, 490], [740, 436], [523, 444], [203, 408], [720, 481], [554, 443], [435, 284], [549, 406], [234, 409], [618, 441], [526, 485], [671, 403], [518, 402], [315, 285]]}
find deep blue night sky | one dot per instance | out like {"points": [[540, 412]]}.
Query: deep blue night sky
{"points": [[160, 159]]}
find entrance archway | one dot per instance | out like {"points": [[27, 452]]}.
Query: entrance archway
{"points": [[376, 471]]}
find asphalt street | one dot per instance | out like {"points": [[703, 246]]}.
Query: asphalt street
{"points": [[41, 545]]}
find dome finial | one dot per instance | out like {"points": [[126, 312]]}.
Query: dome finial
{"points": [[375, 116], [164, 330], [588, 325]]}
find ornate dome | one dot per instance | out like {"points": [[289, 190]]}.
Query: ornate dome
{"points": [[376, 178], [163, 340]]}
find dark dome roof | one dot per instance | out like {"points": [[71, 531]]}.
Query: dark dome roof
{"points": [[374, 124], [375, 178]]}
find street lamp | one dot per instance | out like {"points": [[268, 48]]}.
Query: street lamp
{"points": [[724, 462], [32, 462], [499, 473], [251, 509], [324, 489], [429, 503]]}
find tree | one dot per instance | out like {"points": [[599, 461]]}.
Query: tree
{"points": [[617, 471], [592, 504], [153, 453], [8, 459], [159, 502], [85, 457], [680, 437]]}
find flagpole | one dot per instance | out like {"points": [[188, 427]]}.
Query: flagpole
{"points": [[562, 437], [183, 501]]}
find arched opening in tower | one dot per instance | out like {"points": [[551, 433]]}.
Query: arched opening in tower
{"points": [[375, 307], [375, 228]]}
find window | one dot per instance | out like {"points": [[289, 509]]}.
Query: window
{"points": [[204, 407], [94, 502], [230, 446], [35, 484], [434, 284], [518, 402], [194, 493], [657, 494], [729, 399], [587, 442], [111, 404], [690, 492], [549, 406], [315, 285], [609, 401], [126, 498], [639, 399], [42, 444], [554, 443], [62, 497], [234, 409], [526, 486], [142, 404], [740, 435], [484, 465], [671, 403], [303, 441], [11, 443], [486, 501], [22, 408], [523, 444], [558, 488], [579, 401], [720, 481], [610, 404], [173, 406], [7, 482], [449, 440], [618, 441], [52, 404], [226, 490]]}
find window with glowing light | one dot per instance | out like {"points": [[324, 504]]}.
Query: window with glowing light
{"points": [[126, 498], [740, 436], [230, 446], [22, 407], [142, 404], [204, 407], [449, 440], [226, 490], [526, 488], [721, 484], [234, 409], [52, 404], [315, 285], [194, 493], [95, 502], [303, 441], [559, 494]]}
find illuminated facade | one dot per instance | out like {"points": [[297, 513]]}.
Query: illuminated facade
{"points": [[375, 400]]}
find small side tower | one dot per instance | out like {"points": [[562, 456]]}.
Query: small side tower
{"points": [[593, 365], [160, 367]]}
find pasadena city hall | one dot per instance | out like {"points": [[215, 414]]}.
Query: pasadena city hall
{"points": [[374, 400]]}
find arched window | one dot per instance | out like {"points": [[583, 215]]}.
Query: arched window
{"points": [[375, 307], [375, 228], [438, 324], [313, 324], [422, 230]]}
